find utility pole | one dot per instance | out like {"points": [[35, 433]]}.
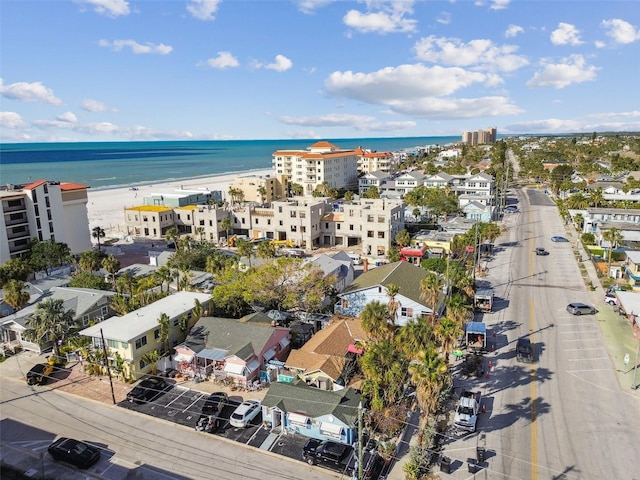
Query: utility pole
{"points": [[360, 441], [634, 385], [106, 362]]}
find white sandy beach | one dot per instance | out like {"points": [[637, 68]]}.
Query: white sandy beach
{"points": [[106, 207]]}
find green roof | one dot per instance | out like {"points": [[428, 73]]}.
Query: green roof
{"points": [[403, 274], [299, 397]]}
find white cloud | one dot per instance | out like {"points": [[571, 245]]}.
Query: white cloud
{"points": [[95, 106], [513, 30], [310, 6], [480, 53], [413, 90], [444, 18], [11, 120], [499, 4], [621, 31], [203, 9], [281, 64], [556, 125], [329, 120], [566, 34], [223, 60], [109, 8], [29, 92], [599, 44], [391, 17], [68, 117], [571, 70], [137, 48]]}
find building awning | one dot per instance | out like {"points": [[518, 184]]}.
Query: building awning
{"points": [[298, 419], [181, 357], [353, 349], [234, 368], [284, 342], [331, 428], [253, 365], [212, 354], [269, 354]]}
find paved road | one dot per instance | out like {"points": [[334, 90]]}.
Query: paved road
{"points": [[132, 443], [566, 416]]}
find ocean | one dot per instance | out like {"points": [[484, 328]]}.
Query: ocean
{"points": [[102, 165]]}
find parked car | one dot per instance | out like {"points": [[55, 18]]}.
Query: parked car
{"points": [[557, 238], [467, 411], [510, 209], [246, 411], [524, 350], [541, 251], [148, 389], [214, 404], [578, 308], [328, 454], [610, 298], [75, 452], [372, 462], [40, 373]]}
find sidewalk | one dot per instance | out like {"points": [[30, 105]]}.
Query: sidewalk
{"points": [[616, 329]]}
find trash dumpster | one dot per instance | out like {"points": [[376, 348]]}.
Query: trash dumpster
{"points": [[445, 464], [480, 454]]}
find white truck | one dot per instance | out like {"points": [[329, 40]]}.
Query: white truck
{"points": [[467, 411]]}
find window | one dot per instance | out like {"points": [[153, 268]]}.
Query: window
{"points": [[104, 310], [380, 234], [156, 333], [345, 303], [142, 364], [369, 233], [145, 218], [406, 312], [112, 343], [85, 320], [176, 321], [351, 228], [141, 342], [124, 345]]}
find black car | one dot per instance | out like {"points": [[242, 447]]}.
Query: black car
{"points": [[524, 350], [333, 455], [215, 403], [148, 389], [541, 251], [39, 374], [75, 452]]}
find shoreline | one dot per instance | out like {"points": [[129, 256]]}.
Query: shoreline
{"points": [[105, 206]]}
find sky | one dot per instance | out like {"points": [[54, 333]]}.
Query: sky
{"points": [[124, 70]]}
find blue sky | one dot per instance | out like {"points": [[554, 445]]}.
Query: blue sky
{"points": [[118, 70]]}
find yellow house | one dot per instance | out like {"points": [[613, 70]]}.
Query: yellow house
{"points": [[137, 333]]}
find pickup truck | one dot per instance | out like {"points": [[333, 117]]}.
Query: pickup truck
{"points": [[328, 454], [467, 411]]}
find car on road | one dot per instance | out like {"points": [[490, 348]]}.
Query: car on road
{"points": [[214, 404], [326, 453], [557, 238], [148, 389], [467, 411], [541, 251], [40, 373], [246, 411], [524, 350], [578, 308], [610, 298], [510, 209], [75, 452]]}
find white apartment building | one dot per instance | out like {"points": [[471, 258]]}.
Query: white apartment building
{"points": [[43, 210], [370, 162], [373, 179], [321, 162]]}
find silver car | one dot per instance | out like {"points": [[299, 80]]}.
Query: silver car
{"points": [[578, 308]]}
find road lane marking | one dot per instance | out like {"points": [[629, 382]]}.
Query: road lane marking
{"points": [[534, 425]]}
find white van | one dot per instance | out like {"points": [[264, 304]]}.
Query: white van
{"points": [[355, 258]]}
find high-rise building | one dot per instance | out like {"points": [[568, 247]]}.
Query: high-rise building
{"points": [[481, 137], [43, 210]]}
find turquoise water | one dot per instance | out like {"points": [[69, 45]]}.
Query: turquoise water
{"points": [[103, 165]]}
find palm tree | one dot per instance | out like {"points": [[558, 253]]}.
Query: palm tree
{"points": [[428, 374], [458, 309], [225, 224], [15, 294], [348, 196], [151, 358], [98, 233], [165, 330], [373, 318], [297, 189], [431, 288], [89, 261], [577, 201], [200, 233], [184, 278], [393, 305], [265, 250], [245, 249], [596, 197], [197, 311], [385, 371], [126, 284], [614, 237], [172, 235], [163, 274], [50, 322], [263, 193], [415, 337], [111, 264], [447, 331]]}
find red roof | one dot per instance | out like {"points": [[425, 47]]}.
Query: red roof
{"points": [[35, 184], [72, 186], [414, 251]]}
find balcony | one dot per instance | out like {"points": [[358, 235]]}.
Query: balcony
{"points": [[16, 221]]}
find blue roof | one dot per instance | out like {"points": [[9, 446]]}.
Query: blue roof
{"points": [[476, 327], [212, 354]]}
